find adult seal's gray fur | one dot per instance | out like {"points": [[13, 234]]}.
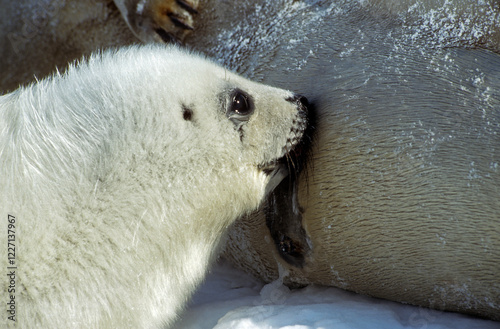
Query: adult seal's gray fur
{"points": [[400, 199]]}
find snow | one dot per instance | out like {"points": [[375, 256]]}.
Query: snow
{"points": [[231, 299]]}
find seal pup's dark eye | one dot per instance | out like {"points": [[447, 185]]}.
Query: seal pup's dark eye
{"points": [[239, 110], [241, 104]]}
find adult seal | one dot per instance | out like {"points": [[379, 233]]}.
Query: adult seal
{"points": [[121, 177], [400, 197]]}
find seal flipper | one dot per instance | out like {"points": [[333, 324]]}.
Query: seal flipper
{"points": [[159, 20]]}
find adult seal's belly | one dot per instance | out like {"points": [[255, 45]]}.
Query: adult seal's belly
{"points": [[401, 195]]}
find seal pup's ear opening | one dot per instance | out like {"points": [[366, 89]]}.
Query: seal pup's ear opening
{"points": [[159, 20]]}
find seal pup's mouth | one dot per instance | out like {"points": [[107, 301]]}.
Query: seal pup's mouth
{"points": [[281, 167], [283, 210]]}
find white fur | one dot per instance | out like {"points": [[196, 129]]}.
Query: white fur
{"points": [[120, 203]]}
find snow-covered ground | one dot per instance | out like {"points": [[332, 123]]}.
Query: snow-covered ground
{"points": [[231, 299]]}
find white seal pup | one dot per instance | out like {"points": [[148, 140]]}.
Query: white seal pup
{"points": [[120, 178]]}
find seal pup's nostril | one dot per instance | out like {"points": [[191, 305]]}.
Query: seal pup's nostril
{"points": [[299, 100], [303, 100]]}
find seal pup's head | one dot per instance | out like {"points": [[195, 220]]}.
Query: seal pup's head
{"points": [[242, 128], [254, 117], [188, 118]]}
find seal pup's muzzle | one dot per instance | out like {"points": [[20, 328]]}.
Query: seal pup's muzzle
{"points": [[282, 166]]}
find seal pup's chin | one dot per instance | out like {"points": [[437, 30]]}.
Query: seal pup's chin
{"points": [[276, 173]]}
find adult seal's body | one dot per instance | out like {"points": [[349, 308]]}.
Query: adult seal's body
{"points": [[121, 177], [400, 199]]}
